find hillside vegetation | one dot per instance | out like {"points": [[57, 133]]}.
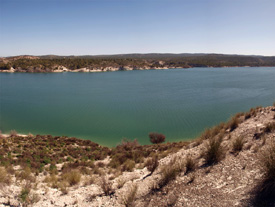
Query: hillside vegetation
{"points": [[52, 63], [231, 164]]}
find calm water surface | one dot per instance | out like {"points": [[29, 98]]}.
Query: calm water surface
{"points": [[106, 107]]}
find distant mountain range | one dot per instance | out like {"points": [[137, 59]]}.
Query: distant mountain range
{"points": [[136, 61]]}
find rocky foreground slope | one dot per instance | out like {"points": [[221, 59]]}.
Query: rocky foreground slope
{"points": [[232, 164]]}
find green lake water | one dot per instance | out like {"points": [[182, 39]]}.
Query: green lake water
{"points": [[106, 107]]}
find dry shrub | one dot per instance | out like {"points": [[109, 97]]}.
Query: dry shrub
{"points": [[106, 186], [89, 181], [63, 186], [128, 144], [4, 176], [100, 164], [52, 180], [129, 199], [152, 163], [212, 132], [237, 144], [233, 123], [270, 127], [120, 183], [128, 165], [97, 171], [264, 192], [1, 135], [26, 197], [170, 171], [213, 152], [24, 194], [25, 174], [85, 170], [156, 138], [172, 199], [13, 133], [190, 165], [72, 177], [10, 170]]}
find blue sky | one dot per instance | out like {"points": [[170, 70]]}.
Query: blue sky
{"points": [[90, 27]]}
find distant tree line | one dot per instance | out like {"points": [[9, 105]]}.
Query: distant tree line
{"points": [[49, 63]]}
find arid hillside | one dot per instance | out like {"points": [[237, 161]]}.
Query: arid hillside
{"points": [[232, 164]]}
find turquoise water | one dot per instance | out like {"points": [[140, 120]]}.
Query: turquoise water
{"points": [[106, 107]]}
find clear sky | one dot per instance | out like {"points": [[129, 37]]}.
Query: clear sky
{"points": [[90, 27]]}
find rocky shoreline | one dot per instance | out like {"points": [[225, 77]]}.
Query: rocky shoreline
{"points": [[61, 69]]}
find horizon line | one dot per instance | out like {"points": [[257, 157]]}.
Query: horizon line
{"points": [[150, 53]]}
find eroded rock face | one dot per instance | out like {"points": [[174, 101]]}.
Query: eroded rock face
{"points": [[229, 182]]}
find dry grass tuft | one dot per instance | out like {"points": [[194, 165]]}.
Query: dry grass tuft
{"points": [[4, 176], [25, 174], [270, 127], [128, 165], [72, 178], [152, 163], [237, 144], [129, 199], [213, 152], [120, 183], [190, 165], [13, 133], [170, 171], [106, 186], [264, 192], [233, 123]]}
